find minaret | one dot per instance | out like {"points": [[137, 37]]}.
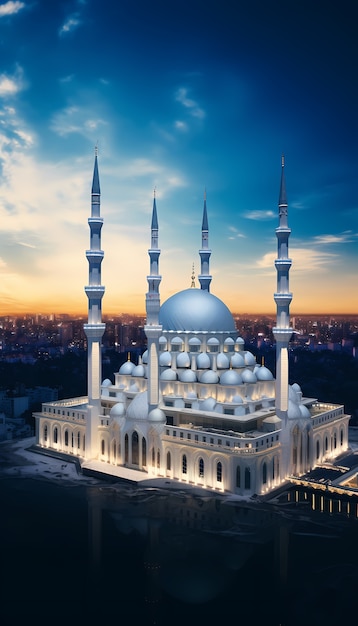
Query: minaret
{"points": [[94, 329], [153, 329], [283, 331], [205, 253]]}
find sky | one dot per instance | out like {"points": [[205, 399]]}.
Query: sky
{"points": [[184, 97]]}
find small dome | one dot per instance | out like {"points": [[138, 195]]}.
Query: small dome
{"points": [[168, 374], [293, 410], [165, 359], [134, 388], [127, 368], [248, 376], [187, 376], [191, 395], [263, 373], [222, 362], [229, 341], [213, 341], [145, 357], [106, 382], [296, 387], [249, 358], [203, 361], [237, 360], [176, 341], [183, 359], [304, 411], [139, 371], [209, 377], [208, 404], [194, 341], [162, 340], [138, 408], [117, 410], [157, 415], [237, 399], [239, 341], [230, 377]]}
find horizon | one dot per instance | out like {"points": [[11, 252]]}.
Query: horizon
{"points": [[205, 103]]}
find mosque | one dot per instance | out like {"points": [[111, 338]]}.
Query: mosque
{"points": [[197, 408]]}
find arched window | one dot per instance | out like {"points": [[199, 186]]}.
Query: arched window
{"points": [[144, 451], [78, 440], [326, 444], [169, 461], [158, 459], [341, 436], [153, 457], [66, 437], [72, 440], [45, 432], [335, 440], [317, 450], [219, 472], [273, 467], [126, 447], [201, 468], [102, 446], [55, 435], [264, 474], [84, 443], [238, 476], [114, 450], [135, 448], [247, 478], [184, 464]]}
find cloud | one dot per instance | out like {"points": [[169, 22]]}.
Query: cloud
{"points": [[69, 25], [180, 125], [75, 119], [259, 215], [11, 85], [235, 233], [346, 237], [304, 260], [10, 8], [193, 107]]}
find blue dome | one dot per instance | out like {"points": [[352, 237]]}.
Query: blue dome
{"points": [[195, 310]]}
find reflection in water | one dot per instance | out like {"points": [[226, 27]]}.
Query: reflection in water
{"points": [[193, 558], [118, 554]]}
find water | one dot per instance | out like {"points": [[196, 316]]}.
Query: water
{"points": [[103, 553]]}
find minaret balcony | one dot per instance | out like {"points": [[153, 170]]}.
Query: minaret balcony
{"points": [[282, 298], [94, 255], [283, 231], [95, 220], [283, 264], [94, 331], [95, 292]]}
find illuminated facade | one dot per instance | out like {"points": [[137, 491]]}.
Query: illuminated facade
{"points": [[196, 408]]}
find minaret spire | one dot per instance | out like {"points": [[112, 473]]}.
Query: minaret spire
{"points": [[94, 329], [152, 328], [205, 253], [283, 331]]}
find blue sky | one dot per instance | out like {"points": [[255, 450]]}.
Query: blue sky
{"points": [[181, 97]]}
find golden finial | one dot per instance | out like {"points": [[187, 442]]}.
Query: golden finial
{"points": [[192, 277]]}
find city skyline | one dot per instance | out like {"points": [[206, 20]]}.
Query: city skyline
{"points": [[180, 99]]}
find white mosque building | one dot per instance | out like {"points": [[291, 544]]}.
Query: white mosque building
{"points": [[197, 408]]}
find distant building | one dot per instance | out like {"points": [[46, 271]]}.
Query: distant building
{"points": [[196, 407]]}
